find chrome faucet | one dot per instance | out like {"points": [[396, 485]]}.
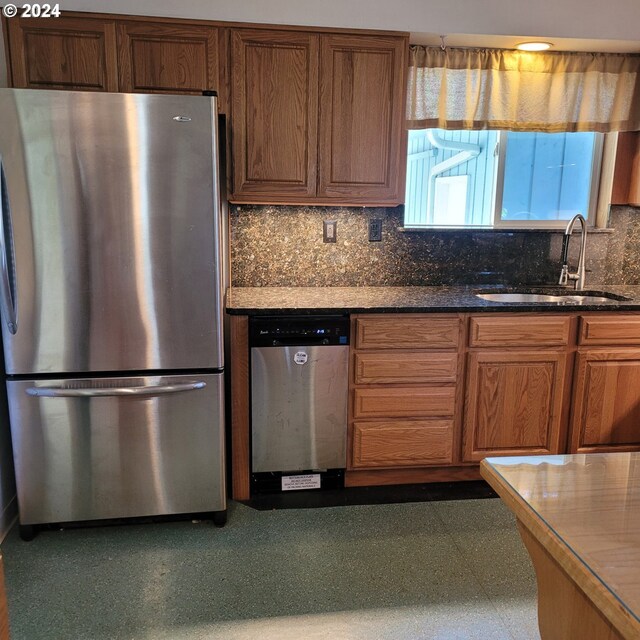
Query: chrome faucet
{"points": [[580, 275]]}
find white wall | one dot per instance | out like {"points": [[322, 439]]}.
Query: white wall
{"points": [[573, 24], [581, 19]]}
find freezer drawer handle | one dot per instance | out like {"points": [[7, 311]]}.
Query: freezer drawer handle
{"points": [[7, 257], [157, 390]]}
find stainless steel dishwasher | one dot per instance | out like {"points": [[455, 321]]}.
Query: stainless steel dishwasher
{"points": [[299, 391]]}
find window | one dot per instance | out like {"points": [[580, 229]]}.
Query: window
{"points": [[501, 178]]}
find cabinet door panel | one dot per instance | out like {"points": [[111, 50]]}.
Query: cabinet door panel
{"points": [[160, 58], [514, 403], [606, 411], [63, 53], [401, 443], [274, 77], [361, 118]]}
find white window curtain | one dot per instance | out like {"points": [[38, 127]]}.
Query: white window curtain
{"points": [[522, 91]]}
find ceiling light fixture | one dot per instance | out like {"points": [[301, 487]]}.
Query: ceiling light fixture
{"points": [[534, 46]]}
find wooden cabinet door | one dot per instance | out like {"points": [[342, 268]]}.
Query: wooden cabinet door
{"points": [[626, 176], [163, 58], [62, 53], [514, 403], [362, 97], [606, 401], [274, 77]]}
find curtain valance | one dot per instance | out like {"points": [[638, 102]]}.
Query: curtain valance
{"points": [[522, 91]]}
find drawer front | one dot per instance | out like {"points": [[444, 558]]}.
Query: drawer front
{"points": [[407, 332], [520, 331], [610, 330], [381, 402], [389, 367], [402, 443]]}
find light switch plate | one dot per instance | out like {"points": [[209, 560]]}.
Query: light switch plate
{"points": [[375, 230], [329, 228]]}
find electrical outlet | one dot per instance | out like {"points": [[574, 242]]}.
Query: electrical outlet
{"points": [[329, 228], [375, 230]]}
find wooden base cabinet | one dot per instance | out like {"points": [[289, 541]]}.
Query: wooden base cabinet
{"points": [[606, 401], [406, 396], [514, 403], [517, 386]]}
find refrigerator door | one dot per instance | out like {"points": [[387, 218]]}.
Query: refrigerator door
{"points": [[117, 447], [110, 249]]}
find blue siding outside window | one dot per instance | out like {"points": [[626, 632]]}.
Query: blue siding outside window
{"points": [[547, 175]]}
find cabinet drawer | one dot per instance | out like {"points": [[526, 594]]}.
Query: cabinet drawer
{"points": [[402, 443], [407, 333], [415, 367], [520, 331], [610, 330], [392, 402]]}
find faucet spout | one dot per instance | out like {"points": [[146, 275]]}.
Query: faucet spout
{"points": [[579, 276]]}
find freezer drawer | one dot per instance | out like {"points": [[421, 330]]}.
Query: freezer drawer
{"points": [[89, 449], [299, 407]]}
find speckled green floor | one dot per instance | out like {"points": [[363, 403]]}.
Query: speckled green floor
{"points": [[404, 571]]}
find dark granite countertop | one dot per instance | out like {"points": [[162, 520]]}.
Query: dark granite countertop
{"points": [[323, 300]]}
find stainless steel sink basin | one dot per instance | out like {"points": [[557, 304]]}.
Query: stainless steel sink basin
{"points": [[556, 298]]}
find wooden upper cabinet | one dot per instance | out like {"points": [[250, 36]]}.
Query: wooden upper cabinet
{"points": [[165, 58], [626, 177], [606, 401], [362, 98], [62, 53], [318, 118], [514, 403], [274, 114]]}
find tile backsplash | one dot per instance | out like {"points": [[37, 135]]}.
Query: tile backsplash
{"points": [[282, 246]]}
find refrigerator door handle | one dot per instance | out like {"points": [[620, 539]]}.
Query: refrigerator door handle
{"points": [[7, 258], [93, 392]]}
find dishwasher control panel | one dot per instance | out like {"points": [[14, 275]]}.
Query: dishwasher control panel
{"points": [[303, 330]]}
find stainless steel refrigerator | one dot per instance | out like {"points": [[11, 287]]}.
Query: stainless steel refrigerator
{"points": [[111, 292]]}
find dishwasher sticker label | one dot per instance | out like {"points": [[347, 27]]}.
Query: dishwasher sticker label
{"points": [[300, 358], [293, 483]]}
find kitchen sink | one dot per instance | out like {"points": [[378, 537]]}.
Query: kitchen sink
{"points": [[555, 297]]}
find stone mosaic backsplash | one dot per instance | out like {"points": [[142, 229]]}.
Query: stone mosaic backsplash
{"points": [[282, 246]]}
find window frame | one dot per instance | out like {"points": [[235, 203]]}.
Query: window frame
{"points": [[594, 188], [497, 223]]}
